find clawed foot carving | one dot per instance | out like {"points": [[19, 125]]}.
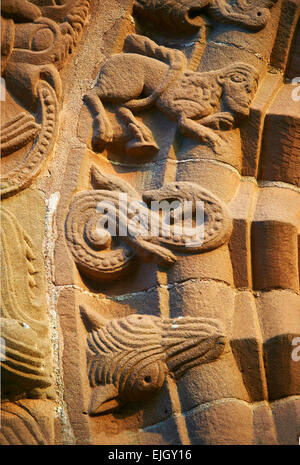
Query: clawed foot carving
{"points": [[214, 141], [204, 134], [103, 132]]}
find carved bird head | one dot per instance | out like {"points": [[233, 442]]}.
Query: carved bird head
{"points": [[129, 358]]}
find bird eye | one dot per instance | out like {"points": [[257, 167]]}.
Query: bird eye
{"points": [[237, 77]]}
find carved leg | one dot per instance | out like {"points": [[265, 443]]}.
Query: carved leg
{"points": [[196, 130], [223, 120], [141, 142], [103, 132]]}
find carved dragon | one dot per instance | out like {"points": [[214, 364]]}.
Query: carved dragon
{"points": [[102, 256], [185, 16]]}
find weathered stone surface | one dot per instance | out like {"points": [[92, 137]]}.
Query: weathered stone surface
{"points": [[224, 422], [281, 138], [27, 422], [264, 425], [287, 420], [247, 346]]}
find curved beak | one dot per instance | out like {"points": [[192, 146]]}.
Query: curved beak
{"points": [[104, 399]]}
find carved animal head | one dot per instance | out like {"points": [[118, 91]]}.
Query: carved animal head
{"points": [[239, 82], [129, 358], [175, 15], [252, 14], [188, 15]]}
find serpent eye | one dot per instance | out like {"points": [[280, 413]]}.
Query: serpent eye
{"points": [[237, 77]]}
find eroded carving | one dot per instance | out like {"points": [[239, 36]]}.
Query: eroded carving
{"points": [[18, 132], [36, 41], [24, 329], [203, 104], [130, 358], [23, 423], [23, 129], [187, 15], [23, 368], [254, 14], [102, 256], [39, 46]]}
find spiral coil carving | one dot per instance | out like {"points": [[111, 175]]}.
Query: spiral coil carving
{"points": [[102, 255]]}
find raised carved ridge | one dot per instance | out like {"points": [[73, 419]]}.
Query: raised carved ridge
{"points": [[36, 42], [23, 366], [102, 256], [24, 346], [129, 358], [18, 132], [22, 423], [22, 175]]}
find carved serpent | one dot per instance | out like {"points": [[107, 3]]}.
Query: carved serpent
{"points": [[102, 256], [186, 15]]}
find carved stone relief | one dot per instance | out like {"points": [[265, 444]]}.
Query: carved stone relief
{"points": [[35, 45], [36, 40], [186, 15], [200, 103], [103, 256], [23, 331]]}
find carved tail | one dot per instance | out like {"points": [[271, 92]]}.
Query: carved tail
{"points": [[177, 63]]}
